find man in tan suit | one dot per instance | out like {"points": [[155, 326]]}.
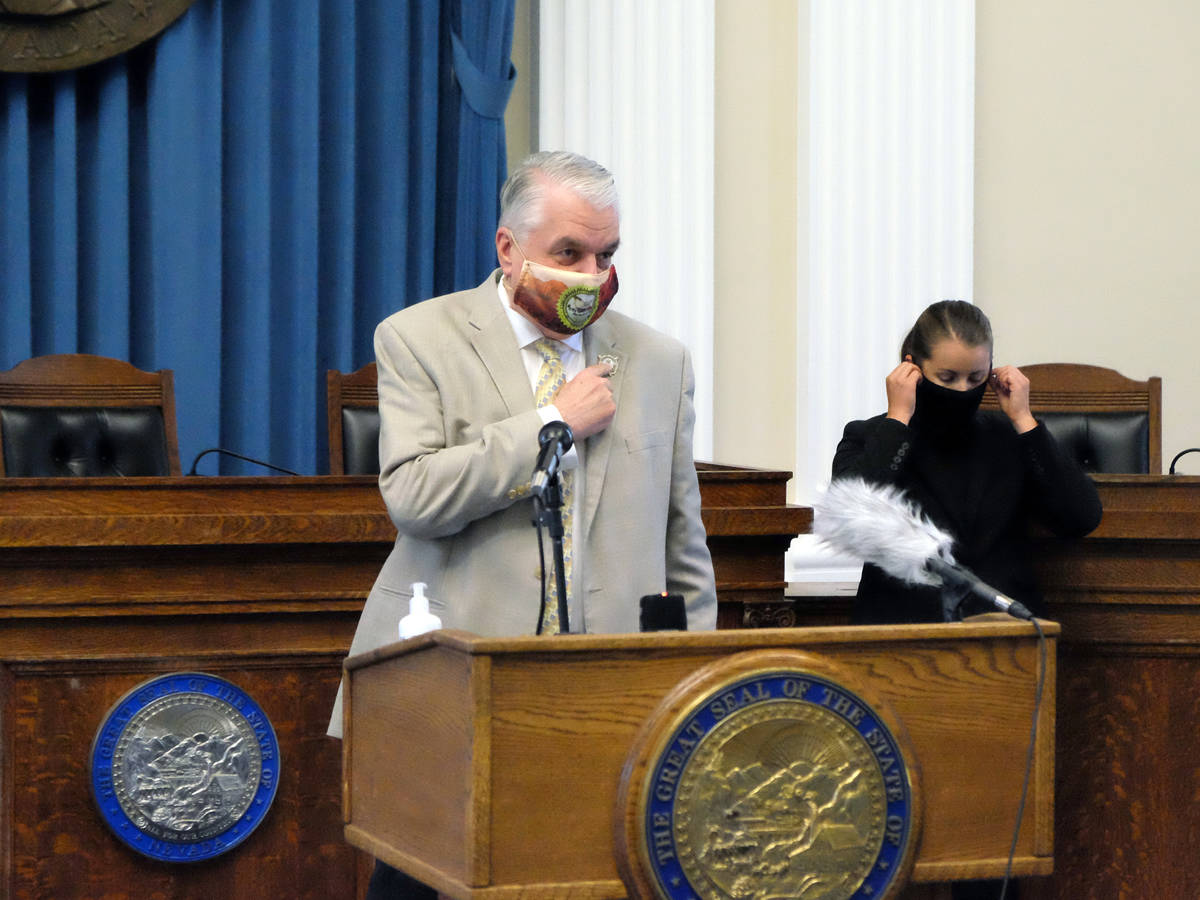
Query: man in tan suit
{"points": [[459, 430]]}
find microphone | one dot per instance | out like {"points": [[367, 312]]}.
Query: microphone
{"points": [[879, 524], [555, 439], [250, 459]]}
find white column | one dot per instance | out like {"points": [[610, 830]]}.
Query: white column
{"points": [[629, 83], [890, 203]]}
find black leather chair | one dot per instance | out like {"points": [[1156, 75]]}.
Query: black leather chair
{"points": [[352, 411], [75, 414], [1107, 422]]}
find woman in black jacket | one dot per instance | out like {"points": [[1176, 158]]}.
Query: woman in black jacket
{"points": [[982, 476]]}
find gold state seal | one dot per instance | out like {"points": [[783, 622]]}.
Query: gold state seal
{"points": [[765, 784]]}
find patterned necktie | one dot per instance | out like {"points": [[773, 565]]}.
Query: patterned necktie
{"points": [[550, 378]]}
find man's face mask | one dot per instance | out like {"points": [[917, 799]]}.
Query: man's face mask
{"points": [[562, 301]]}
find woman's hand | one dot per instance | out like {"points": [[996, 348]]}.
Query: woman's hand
{"points": [[901, 386], [1012, 389]]}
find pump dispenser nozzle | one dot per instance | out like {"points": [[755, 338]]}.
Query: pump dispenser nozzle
{"points": [[419, 618]]}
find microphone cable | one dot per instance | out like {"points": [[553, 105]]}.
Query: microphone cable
{"points": [[537, 521], [1037, 710]]}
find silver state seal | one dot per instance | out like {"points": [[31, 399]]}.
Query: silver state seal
{"points": [[184, 767], [775, 784]]}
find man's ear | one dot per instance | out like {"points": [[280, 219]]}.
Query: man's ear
{"points": [[504, 251]]}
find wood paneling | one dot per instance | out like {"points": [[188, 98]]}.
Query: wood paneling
{"points": [[1128, 784], [105, 583]]}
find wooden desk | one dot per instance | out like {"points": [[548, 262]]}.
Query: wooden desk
{"points": [[105, 583], [1128, 599], [750, 527]]}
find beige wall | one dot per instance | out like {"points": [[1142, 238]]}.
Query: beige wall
{"points": [[755, 409], [1088, 190], [1087, 202]]}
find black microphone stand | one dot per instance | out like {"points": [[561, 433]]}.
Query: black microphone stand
{"points": [[547, 511]]}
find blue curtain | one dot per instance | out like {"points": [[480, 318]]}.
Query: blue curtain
{"points": [[244, 197]]}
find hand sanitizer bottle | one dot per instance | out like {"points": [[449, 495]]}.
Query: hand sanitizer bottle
{"points": [[419, 618]]}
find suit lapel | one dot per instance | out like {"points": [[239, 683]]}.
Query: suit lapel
{"points": [[496, 345], [599, 342]]}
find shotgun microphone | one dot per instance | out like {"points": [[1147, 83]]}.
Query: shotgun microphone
{"points": [[879, 524]]}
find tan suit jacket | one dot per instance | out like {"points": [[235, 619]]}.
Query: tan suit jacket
{"points": [[457, 446]]}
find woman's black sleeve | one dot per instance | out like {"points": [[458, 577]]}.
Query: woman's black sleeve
{"points": [[1063, 496], [877, 450]]}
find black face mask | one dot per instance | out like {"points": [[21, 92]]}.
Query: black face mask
{"points": [[945, 410]]}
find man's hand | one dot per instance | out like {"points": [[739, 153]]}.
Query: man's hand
{"points": [[586, 401]]}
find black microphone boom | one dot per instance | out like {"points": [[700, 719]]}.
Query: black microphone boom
{"points": [[555, 439]]}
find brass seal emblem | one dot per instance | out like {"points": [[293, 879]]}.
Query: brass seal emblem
{"points": [[769, 784], [54, 35]]}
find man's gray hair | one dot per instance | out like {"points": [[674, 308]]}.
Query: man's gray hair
{"points": [[521, 196]]}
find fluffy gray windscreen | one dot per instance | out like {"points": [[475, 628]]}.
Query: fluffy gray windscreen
{"points": [[880, 525]]}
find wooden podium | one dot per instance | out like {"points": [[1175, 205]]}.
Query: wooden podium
{"points": [[504, 768]]}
